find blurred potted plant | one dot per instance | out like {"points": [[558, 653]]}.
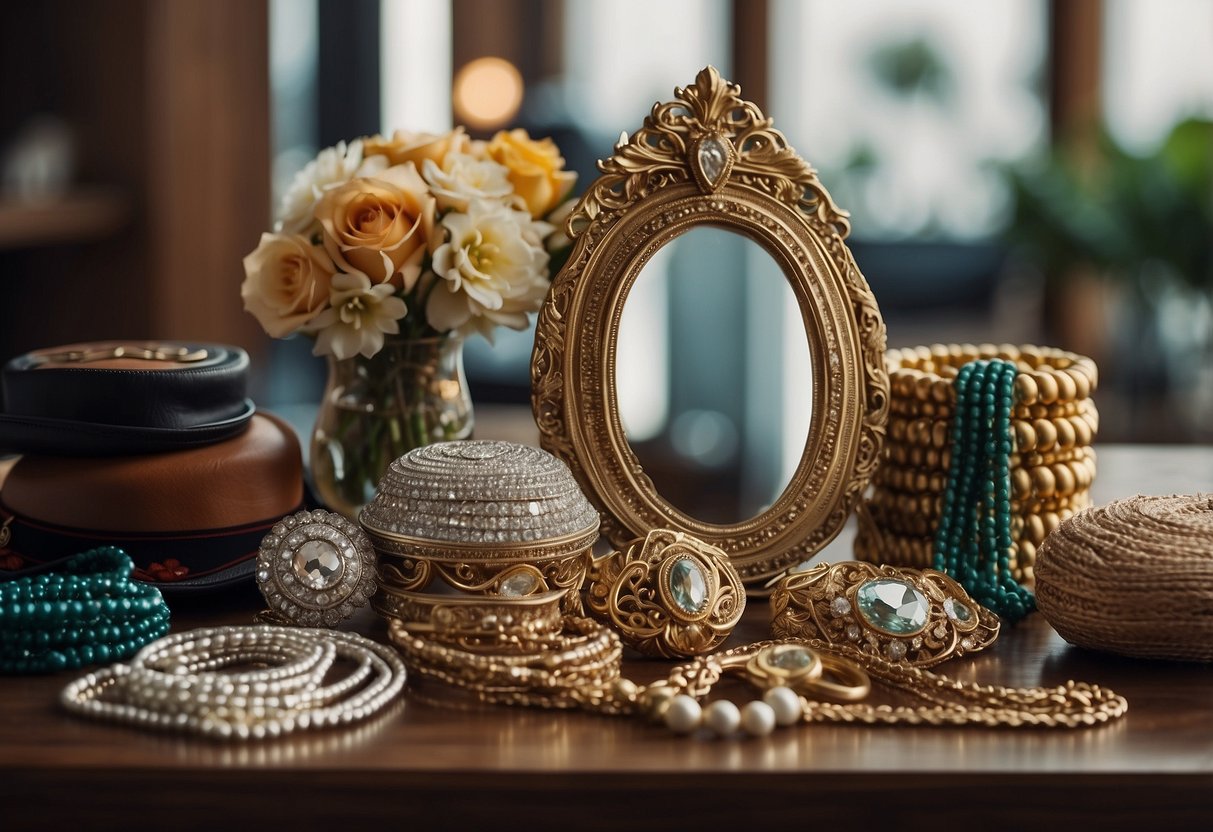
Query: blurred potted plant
{"points": [[1143, 226]]}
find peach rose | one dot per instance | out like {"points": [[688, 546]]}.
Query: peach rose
{"points": [[286, 282], [379, 226], [536, 169], [404, 146]]}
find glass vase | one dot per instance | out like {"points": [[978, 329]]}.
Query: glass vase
{"points": [[411, 393]]}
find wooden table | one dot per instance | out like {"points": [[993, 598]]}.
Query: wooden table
{"points": [[424, 766]]}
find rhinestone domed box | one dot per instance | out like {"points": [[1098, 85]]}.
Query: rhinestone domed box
{"points": [[480, 517]]}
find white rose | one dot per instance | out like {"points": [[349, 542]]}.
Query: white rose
{"points": [[359, 314], [333, 166], [463, 178], [492, 270]]}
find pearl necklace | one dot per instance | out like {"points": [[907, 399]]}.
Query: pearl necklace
{"points": [[77, 611], [181, 682]]}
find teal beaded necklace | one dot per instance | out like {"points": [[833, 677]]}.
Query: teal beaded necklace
{"points": [[973, 540], [76, 612]]}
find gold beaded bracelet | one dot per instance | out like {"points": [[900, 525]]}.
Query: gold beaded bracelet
{"points": [[1052, 467]]}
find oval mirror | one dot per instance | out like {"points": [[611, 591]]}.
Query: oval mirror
{"points": [[710, 159], [713, 376]]}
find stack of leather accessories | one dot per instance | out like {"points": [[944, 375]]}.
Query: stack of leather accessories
{"points": [[153, 448]]}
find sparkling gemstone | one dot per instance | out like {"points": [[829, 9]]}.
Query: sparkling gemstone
{"points": [[519, 584], [688, 585], [318, 565], [840, 606], [957, 611], [792, 659], [713, 155], [853, 631], [966, 643], [892, 606], [896, 650]]}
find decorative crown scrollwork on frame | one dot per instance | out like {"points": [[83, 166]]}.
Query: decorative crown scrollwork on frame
{"points": [[709, 117]]}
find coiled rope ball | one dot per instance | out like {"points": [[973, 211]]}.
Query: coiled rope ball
{"points": [[1134, 577]]}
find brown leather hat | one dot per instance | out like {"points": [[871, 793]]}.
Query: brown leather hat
{"points": [[190, 519]]}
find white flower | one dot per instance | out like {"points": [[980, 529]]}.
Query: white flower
{"points": [[359, 315], [332, 166], [463, 178], [558, 238], [493, 270]]}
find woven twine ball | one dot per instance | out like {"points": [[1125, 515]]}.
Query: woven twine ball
{"points": [[1134, 577]]}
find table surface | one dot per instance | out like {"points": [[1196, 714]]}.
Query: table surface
{"points": [[423, 762]]}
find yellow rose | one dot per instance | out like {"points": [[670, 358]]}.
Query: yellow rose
{"points": [[415, 147], [286, 282], [536, 169], [379, 226]]}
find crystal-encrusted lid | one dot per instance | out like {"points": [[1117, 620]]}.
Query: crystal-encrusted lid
{"points": [[480, 491]]}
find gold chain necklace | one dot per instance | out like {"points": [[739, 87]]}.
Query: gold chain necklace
{"points": [[583, 671]]}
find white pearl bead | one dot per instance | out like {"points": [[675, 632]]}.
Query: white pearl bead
{"points": [[785, 704], [758, 719], [683, 714], [722, 717]]}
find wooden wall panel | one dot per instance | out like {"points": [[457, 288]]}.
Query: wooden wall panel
{"points": [[209, 163]]}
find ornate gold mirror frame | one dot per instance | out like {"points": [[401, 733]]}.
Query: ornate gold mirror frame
{"points": [[711, 158]]}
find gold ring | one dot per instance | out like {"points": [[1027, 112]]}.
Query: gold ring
{"points": [[795, 665], [784, 664], [669, 595], [840, 679]]}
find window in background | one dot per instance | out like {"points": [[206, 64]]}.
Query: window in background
{"points": [[615, 72], [293, 47], [910, 111], [415, 56], [1152, 182], [1157, 68], [905, 105], [294, 375]]}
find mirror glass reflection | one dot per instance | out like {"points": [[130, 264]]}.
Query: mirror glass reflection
{"points": [[713, 375]]}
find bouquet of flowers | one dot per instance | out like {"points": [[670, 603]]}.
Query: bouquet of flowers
{"points": [[417, 235], [386, 251]]}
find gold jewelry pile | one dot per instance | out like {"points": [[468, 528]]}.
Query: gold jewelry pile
{"points": [[1053, 422], [803, 679]]}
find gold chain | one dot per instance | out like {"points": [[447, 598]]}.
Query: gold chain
{"points": [[580, 668], [945, 701]]}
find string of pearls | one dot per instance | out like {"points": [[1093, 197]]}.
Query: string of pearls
{"points": [[182, 682], [780, 706]]}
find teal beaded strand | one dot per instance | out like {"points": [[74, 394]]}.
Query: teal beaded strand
{"points": [[973, 538], [80, 611]]}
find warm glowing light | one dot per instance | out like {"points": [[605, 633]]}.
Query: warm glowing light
{"points": [[487, 93]]}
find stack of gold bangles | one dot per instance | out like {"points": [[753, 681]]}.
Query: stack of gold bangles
{"points": [[1052, 465]]}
